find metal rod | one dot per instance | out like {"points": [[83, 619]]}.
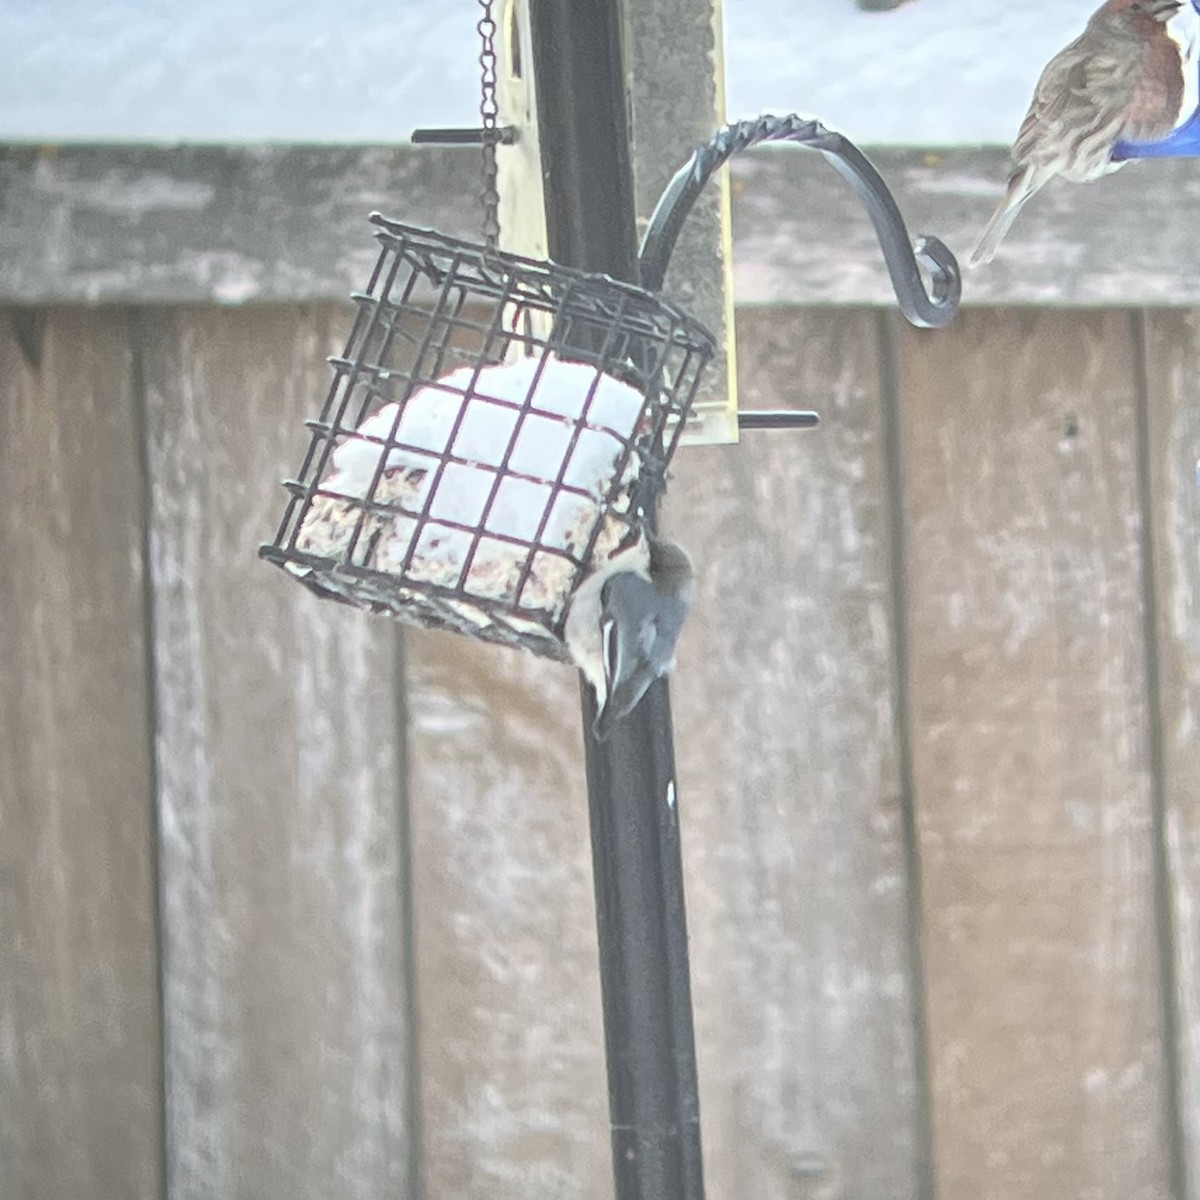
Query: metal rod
{"points": [[783, 418], [504, 134], [928, 307], [632, 794], [640, 913]]}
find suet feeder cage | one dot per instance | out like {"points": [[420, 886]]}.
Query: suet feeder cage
{"points": [[499, 426], [496, 427]]}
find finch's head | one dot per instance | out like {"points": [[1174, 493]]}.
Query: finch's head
{"points": [[1142, 10]]}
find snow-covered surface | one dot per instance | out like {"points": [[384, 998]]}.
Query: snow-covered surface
{"points": [[542, 446], [235, 70], [413, 442], [933, 72]]}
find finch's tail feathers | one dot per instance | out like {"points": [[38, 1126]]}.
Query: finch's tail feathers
{"points": [[1019, 190]]}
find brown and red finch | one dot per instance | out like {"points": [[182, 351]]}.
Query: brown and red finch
{"points": [[1130, 78]]}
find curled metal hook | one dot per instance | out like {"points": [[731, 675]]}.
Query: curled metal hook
{"points": [[924, 308]]}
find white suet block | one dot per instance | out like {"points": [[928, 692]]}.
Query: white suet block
{"points": [[541, 417]]}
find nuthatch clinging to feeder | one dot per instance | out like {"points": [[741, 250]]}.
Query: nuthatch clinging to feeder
{"points": [[624, 621]]}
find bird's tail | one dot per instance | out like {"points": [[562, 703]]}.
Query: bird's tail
{"points": [[1019, 190]]}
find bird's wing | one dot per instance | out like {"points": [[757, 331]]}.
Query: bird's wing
{"points": [[1061, 79], [638, 627], [630, 664], [1077, 114]]}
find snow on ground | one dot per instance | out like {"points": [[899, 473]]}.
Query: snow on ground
{"points": [[236, 70], [934, 72]]}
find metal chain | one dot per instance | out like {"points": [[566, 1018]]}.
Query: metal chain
{"points": [[489, 110]]}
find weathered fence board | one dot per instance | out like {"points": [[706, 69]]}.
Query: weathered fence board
{"points": [[1031, 763], [279, 773], [514, 1102], [284, 223], [513, 1098], [80, 1090], [1173, 510], [789, 784]]}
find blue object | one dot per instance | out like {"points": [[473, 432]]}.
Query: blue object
{"points": [[1183, 142]]}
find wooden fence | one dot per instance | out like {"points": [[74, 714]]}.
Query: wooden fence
{"points": [[295, 905]]}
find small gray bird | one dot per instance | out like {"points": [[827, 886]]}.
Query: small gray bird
{"points": [[624, 622]]}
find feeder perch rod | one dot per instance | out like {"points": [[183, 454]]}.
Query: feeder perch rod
{"points": [[505, 135], [783, 418]]}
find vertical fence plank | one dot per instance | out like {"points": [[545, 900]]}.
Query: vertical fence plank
{"points": [[1173, 434], [514, 1094], [80, 1092], [1031, 763], [279, 772], [790, 788]]}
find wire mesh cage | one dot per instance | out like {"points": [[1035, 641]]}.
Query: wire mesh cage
{"points": [[496, 428]]}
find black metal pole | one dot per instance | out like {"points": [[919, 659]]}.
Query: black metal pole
{"points": [[632, 796]]}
